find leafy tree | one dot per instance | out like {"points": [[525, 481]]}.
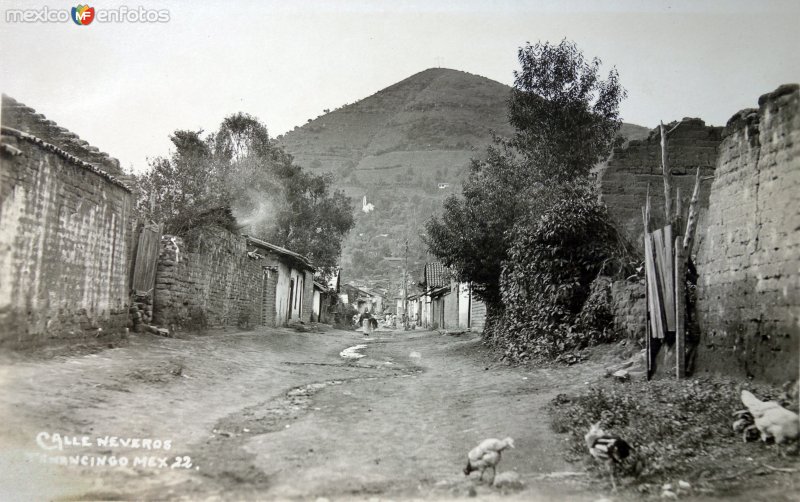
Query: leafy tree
{"points": [[180, 189], [566, 119], [557, 248], [240, 168]]}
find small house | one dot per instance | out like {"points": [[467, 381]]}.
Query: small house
{"points": [[287, 283]]}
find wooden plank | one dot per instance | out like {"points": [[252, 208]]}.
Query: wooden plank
{"points": [[654, 290], [669, 278], [680, 310], [647, 330], [664, 275], [146, 259], [658, 255]]}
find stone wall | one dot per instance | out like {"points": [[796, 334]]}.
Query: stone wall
{"points": [[749, 258], [64, 235], [207, 280], [624, 181], [213, 278]]}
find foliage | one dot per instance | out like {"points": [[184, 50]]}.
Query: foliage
{"points": [[556, 250], [182, 189], [241, 168], [471, 236], [566, 118], [676, 428]]}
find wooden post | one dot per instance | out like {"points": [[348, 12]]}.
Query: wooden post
{"points": [[691, 221], [668, 215], [680, 310], [647, 333], [678, 225]]}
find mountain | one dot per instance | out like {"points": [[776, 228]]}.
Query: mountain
{"points": [[405, 149]]}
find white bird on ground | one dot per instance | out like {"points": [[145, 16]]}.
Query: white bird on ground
{"points": [[486, 455], [772, 419]]}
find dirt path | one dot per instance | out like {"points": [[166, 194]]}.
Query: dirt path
{"points": [[281, 415]]}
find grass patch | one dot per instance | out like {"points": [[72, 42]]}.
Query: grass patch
{"points": [[678, 429]]}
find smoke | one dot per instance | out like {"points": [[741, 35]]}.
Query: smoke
{"points": [[255, 212]]}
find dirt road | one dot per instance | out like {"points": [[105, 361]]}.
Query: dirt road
{"points": [[277, 414]]}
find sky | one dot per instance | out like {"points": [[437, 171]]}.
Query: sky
{"points": [[124, 87]]}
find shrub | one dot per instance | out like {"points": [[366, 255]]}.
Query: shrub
{"points": [[556, 251]]}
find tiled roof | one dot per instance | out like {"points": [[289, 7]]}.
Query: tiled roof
{"points": [[266, 245], [436, 275]]}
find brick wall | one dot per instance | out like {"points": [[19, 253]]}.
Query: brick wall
{"points": [[64, 235], [208, 280], [749, 259], [624, 181]]}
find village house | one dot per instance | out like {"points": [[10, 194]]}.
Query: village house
{"points": [[291, 276], [446, 303], [359, 297]]}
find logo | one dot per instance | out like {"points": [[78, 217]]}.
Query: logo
{"points": [[83, 15]]}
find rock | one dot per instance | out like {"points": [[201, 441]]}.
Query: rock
{"points": [[509, 480], [667, 494], [684, 485]]}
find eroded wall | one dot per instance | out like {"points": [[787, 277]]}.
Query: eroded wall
{"points": [[749, 259], [64, 236], [631, 170]]}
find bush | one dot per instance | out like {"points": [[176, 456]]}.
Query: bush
{"points": [[556, 252], [676, 428]]}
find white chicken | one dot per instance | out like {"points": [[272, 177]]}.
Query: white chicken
{"points": [[772, 419], [486, 455]]}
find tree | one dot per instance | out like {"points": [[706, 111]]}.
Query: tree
{"points": [[180, 189], [566, 119], [239, 167]]}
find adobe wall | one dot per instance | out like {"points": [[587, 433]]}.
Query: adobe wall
{"points": [[207, 281], [629, 309], [630, 170], [477, 315], [64, 237], [749, 259]]}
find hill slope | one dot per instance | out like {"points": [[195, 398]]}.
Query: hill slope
{"points": [[405, 148]]}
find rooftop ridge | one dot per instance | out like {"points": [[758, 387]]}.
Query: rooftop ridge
{"points": [[18, 116], [9, 131]]}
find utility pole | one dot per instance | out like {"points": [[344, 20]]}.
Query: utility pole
{"points": [[405, 289]]}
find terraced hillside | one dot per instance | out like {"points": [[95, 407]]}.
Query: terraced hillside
{"points": [[405, 148]]}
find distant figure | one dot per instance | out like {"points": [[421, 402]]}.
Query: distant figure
{"points": [[366, 321], [367, 206]]}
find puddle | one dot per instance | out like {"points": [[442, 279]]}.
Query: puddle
{"points": [[352, 352]]}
